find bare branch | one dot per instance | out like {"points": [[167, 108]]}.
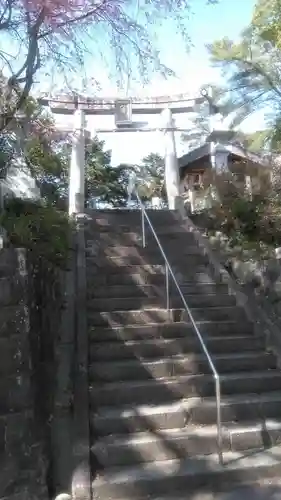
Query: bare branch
{"points": [[62, 32], [6, 16]]}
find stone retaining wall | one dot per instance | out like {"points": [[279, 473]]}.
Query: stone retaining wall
{"points": [[259, 279], [23, 470], [262, 274]]}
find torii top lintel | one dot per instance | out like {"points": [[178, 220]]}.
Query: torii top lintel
{"points": [[66, 105]]}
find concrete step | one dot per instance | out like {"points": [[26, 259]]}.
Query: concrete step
{"points": [[169, 331], [137, 250], [170, 444], [136, 276], [117, 216], [134, 303], [180, 414], [261, 489], [153, 315], [193, 266], [140, 290], [130, 211], [184, 386], [157, 348], [134, 369], [157, 216], [107, 239], [153, 258], [190, 474], [100, 276], [127, 226], [111, 268]]}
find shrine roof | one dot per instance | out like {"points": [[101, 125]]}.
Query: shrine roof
{"points": [[234, 150]]}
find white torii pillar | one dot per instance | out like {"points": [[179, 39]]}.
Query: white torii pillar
{"points": [[172, 180], [77, 165]]}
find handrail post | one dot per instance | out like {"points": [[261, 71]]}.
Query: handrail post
{"points": [[167, 277], [143, 229], [219, 424]]}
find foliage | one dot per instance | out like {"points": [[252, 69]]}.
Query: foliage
{"points": [[243, 218], [104, 183], [224, 110], [23, 118], [48, 155], [108, 184], [252, 70], [255, 141], [200, 122], [150, 177], [49, 166], [266, 21], [49, 161], [39, 228], [59, 34], [32, 139]]}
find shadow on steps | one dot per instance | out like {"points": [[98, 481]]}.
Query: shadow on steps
{"points": [[119, 433]]}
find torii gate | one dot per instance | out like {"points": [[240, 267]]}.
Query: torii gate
{"points": [[122, 109]]}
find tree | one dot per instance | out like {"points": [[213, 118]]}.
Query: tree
{"points": [[47, 152], [201, 123], [104, 183], [32, 139], [150, 177], [58, 33], [152, 172], [252, 69], [200, 127], [266, 22], [255, 141], [48, 163]]}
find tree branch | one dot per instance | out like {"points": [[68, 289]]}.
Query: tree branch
{"points": [[31, 65], [259, 70], [6, 16], [69, 22]]}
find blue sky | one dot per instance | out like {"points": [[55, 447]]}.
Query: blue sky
{"points": [[205, 24]]}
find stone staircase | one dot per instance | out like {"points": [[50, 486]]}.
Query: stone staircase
{"points": [[152, 394]]}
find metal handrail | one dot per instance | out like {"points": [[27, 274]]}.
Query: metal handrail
{"points": [[168, 270]]}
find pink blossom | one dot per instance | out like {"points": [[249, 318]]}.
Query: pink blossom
{"points": [[57, 12]]}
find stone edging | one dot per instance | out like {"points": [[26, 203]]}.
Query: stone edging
{"points": [[63, 397], [81, 479]]}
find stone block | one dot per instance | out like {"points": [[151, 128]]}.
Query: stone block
{"points": [[64, 391], [11, 290], [18, 432], [13, 320], [14, 356], [62, 450], [9, 473], [10, 261], [2, 434], [14, 393], [25, 485], [6, 291]]}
